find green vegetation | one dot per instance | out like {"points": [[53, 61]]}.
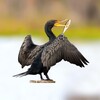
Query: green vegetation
{"points": [[18, 28], [85, 32]]}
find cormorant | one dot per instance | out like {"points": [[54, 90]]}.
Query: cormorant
{"points": [[43, 57]]}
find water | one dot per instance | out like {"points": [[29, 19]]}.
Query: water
{"points": [[69, 78]]}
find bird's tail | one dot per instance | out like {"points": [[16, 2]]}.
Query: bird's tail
{"points": [[20, 75]]}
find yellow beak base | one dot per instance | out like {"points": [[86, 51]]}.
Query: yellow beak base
{"points": [[58, 24]]}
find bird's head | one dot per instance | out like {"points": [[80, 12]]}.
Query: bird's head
{"points": [[56, 23]]}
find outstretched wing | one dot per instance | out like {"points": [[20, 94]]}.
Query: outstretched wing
{"points": [[28, 51], [73, 55], [60, 49]]}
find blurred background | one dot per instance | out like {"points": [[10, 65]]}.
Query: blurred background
{"points": [[19, 18]]}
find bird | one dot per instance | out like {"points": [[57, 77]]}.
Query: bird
{"points": [[42, 57]]}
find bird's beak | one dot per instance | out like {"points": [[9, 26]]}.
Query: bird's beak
{"points": [[60, 22]]}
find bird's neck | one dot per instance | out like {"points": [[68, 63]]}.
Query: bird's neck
{"points": [[50, 33]]}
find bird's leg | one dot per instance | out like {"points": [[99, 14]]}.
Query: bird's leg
{"points": [[45, 71], [47, 76], [41, 76], [48, 79]]}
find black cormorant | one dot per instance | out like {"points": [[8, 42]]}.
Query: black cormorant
{"points": [[42, 57]]}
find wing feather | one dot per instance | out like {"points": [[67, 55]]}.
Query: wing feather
{"points": [[28, 51], [60, 49], [73, 52]]}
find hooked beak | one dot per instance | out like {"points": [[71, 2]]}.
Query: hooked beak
{"points": [[60, 22], [66, 25]]}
